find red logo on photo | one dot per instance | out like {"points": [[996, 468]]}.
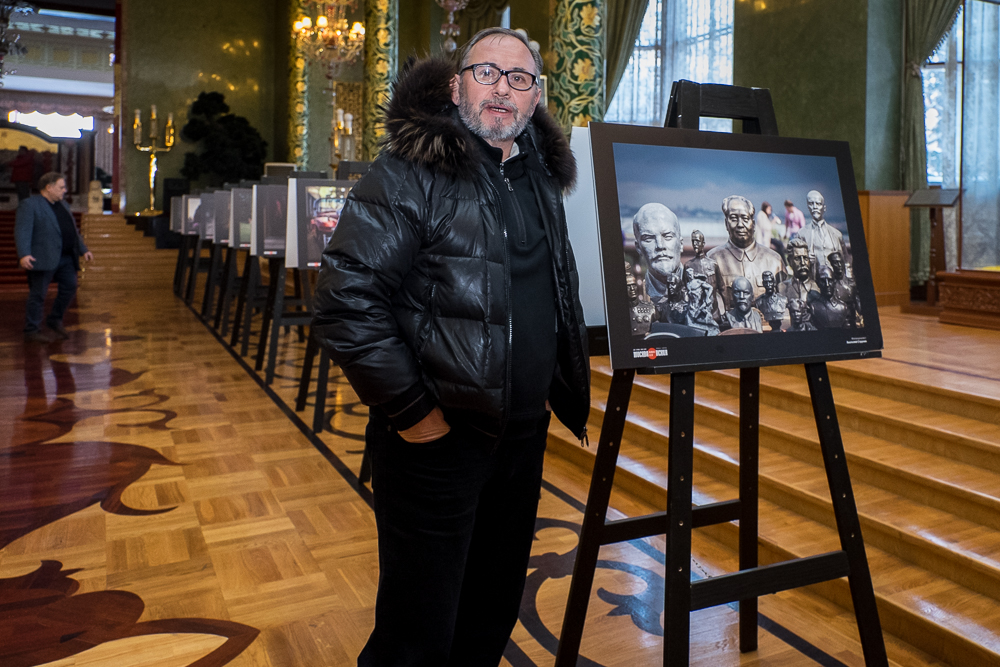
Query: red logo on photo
{"points": [[651, 352]]}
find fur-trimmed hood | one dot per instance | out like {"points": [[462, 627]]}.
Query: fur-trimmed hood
{"points": [[422, 126]]}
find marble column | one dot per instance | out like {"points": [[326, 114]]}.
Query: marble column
{"points": [[381, 40], [298, 98], [576, 79]]}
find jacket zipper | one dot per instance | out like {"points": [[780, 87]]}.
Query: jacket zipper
{"points": [[510, 316], [522, 233]]}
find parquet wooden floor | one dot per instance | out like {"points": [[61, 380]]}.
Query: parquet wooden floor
{"points": [[159, 506]]}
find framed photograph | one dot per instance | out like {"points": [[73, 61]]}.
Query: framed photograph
{"points": [[191, 205], [269, 219], [177, 214], [240, 212], [205, 216], [703, 268], [314, 207], [222, 223]]}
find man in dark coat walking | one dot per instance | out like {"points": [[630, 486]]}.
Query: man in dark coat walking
{"points": [[49, 247], [449, 297]]}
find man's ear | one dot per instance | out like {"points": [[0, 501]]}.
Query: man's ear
{"points": [[455, 98]]}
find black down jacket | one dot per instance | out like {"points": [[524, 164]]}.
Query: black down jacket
{"points": [[413, 294]]}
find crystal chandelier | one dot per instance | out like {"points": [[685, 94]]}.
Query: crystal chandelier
{"points": [[450, 29], [8, 40], [325, 35]]}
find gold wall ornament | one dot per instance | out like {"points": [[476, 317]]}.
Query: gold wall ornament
{"points": [[381, 17], [153, 149], [576, 87]]}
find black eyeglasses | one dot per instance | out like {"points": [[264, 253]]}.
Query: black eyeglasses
{"points": [[489, 74]]}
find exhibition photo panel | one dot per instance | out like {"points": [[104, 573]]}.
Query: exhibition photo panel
{"points": [[192, 205], [270, 219], [318, 204], [241, 211], [222, 202], [730, 250]]}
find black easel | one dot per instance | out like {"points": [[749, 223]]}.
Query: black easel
{"points": [[197, 265], [275, 315], [212, 280], [183, 263], [229, 287], [690, 101]]}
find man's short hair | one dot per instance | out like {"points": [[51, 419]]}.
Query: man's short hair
{"points": [[788, 203], [48, 178], [505, 32], [728, 201], [797, 243]]}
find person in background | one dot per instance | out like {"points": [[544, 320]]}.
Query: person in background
{"points": [[49, 247], [794, 219], [22, 171]]}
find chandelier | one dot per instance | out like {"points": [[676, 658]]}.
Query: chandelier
{"points": [[325, 35], [450, 29], [8, 41]]}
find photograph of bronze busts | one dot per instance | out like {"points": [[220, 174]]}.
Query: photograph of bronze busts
{"points": [[705, 255]]}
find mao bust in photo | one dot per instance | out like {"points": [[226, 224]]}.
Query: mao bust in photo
{"points": [[741, 256]]}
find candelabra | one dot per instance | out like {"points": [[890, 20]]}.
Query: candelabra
{"points": [[450, 29], [328, 37], [153, 149]]}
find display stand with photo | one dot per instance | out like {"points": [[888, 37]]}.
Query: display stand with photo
{"points": [[240, 202], [220, 249], [739, 300], [195, 224]]}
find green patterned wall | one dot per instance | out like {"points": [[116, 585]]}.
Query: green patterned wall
{"points": [[381, 39], [298, 98], [172, 51], [576, 78]]}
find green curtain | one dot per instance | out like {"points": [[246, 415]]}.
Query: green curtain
{"points": [[482, 14], [623, 24], [925, 23]]}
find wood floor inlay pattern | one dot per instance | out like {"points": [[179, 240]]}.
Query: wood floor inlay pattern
{"points": [[161, 507]]}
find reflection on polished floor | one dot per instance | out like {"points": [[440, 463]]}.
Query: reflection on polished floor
{"points": [[158, 506]]}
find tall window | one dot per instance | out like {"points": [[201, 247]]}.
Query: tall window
{"points": [[942, 75], [684, 40]]}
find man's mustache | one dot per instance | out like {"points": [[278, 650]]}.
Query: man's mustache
{"points": [[497, 102]]}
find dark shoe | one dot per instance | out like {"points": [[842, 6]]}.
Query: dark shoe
{"points": [[37, 337], [60, 331]]}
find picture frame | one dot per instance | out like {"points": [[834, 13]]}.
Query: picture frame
{"points": [[662, 185], [314, 207]]}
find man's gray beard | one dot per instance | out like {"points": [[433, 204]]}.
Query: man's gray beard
{"points": [[475, 123]]}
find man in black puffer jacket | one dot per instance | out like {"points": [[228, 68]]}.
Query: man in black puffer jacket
{"points": [[449, 297]]}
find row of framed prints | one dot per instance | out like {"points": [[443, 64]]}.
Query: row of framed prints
{"points": [[293, 219]]}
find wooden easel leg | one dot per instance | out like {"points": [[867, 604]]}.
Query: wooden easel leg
{"points": [[193, 273], [274, 268], [591, 533], [680, 465], [312, 347], [749, 468], [321, 382], [225, 291], [253, 298], [241, 299], [277, 319], [365, 474], [182, 263], [846, 512], [211, 281]]}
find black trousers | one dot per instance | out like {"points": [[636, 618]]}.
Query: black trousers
{"points": [[455, 522], [38, 286]]}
